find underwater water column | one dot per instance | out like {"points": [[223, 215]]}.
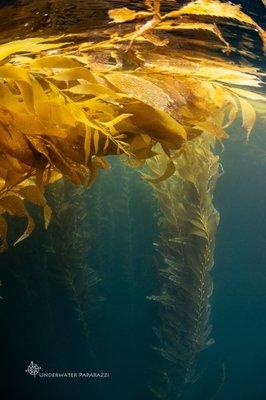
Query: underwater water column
{"points": [[67, 252], [186, 242]]}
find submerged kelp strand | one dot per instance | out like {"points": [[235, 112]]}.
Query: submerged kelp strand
{"points": [[66, 251], [188, 225]]}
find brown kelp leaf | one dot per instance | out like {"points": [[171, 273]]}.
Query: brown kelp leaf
{"points": [[101, 162], [33, 194], [3, 234], [14, 205]]}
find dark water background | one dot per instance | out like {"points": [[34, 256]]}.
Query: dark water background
{"points": [[46, 316]]}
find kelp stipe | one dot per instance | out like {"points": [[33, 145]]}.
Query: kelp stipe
{"points": [[186, 244]]}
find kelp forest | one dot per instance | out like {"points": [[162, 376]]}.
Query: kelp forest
{"points": [[113, 128]]}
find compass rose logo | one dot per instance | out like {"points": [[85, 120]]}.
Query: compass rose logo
{"points": [[33, 369]]}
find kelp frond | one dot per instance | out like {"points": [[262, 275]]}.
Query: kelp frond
{"points": [[188, 226], [67, 248], [184, 19], [64, 106]]}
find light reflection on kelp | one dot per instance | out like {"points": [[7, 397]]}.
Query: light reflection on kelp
{"points": [[144, 89]]}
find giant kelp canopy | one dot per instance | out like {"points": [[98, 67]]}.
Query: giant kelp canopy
{"points": [[66, 103]]}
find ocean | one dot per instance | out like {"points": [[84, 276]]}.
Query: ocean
{"points": [[78, 317]]}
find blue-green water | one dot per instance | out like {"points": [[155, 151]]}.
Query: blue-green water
{"points": [[40, 313], [52, 316]]}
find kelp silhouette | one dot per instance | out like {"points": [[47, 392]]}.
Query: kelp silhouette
{"points": [[66, 251], [186, 243]]}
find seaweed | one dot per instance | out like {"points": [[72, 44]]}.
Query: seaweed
{"points": [[66, 252], [65, 105], [188, 225]]}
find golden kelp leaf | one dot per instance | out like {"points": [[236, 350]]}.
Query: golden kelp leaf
{"points": [[222, 74], [155, 39], [232, 114], [214, 8], [10, 71], [80, 115], [93, 89], [141, 30], [53, 62], [141, 146], [124, 14], [213, 129], [170, 170], [9, 101], [51, 176], [101, 162], [96, 139], [28, 231], [248, 94], [99, 103], [193, 26], [87, 144], [27, 93], [157, 124], [77, 173], [248, 115], [141, 89], [29, 45], [47, 214], [73, 74], [116, 120], [31, 125]]}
